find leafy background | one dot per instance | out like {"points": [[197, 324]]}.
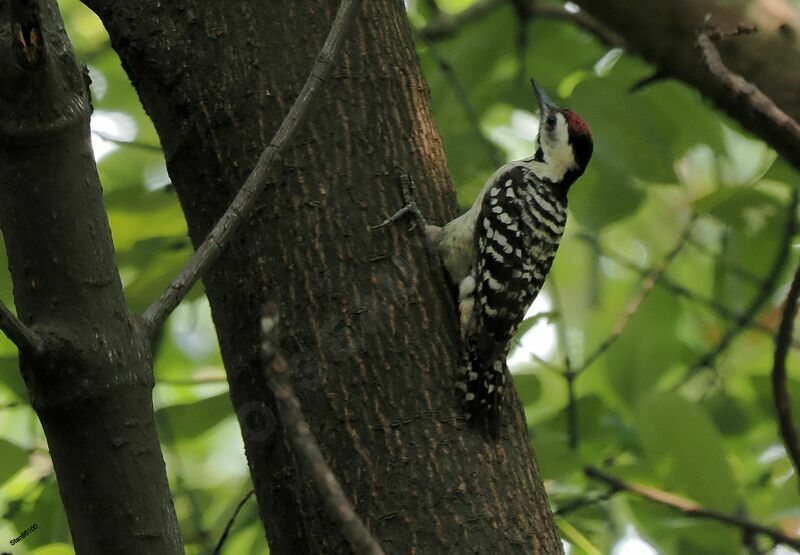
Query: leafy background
{"points": [[673, 185]]}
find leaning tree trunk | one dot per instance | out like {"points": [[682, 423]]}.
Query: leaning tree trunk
{"points": [[368, 324], [88, 368]]}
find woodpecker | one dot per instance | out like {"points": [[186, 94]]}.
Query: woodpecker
{"points": [[499, 252]]}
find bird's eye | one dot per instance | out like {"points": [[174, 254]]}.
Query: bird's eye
{"points": [[551, 121]]}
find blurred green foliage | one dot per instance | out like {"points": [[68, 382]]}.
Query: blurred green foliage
{"points": [[661, 155]]}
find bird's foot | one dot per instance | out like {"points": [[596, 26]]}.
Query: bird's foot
{"points": [[407, 188]]}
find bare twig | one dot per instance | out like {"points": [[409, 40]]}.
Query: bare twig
{"points": [[448, 25], [463, 98], [122, 142], [690, 508], [582, 19], [652, 79], [243, 204], [19, 334], [784, 130], [583, 502], [223, 538], [677, 289], [202, 380], [650, 279], [761, 297], [735, 269], [568, 373], [305, 445], [780, 390]]}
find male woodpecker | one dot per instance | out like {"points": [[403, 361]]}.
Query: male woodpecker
{"points": [[499, 252]]}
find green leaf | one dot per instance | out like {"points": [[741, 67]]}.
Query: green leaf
{"points": [[153, 281], [686, 450], [41, 507], [190, 420], [555, 457], [604, 195], [129, 207], [528, 386], [11, 379], [54, 549], [647, 349], [14, 459]]}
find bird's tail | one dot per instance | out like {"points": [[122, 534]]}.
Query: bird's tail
{"points": [[482, 386]]}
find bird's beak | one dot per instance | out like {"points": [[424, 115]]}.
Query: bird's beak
{"points": [[546, 104]]}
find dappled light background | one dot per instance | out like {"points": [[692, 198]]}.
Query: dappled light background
{"points": [[643, 356]]}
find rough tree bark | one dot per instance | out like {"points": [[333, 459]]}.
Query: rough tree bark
{"points": [[664, 33], [90, 378], [368, 323]]}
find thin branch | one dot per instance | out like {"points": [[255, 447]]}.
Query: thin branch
{"points": [[780, 390], [583, 502], [304, 444], [762, 295], [582, 19], [784, 130], [448, 25], [193, 381], [650, 279], [655, 77], [167, 433], [20, 335], [463, 98], [241, 207], [568, 373], [720, 309], [122, 142], [223, 538], [690, 508], [735, 269]]}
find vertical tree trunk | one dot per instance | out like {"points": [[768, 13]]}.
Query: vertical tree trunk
{"points": [[369, 327], [91, 381]]}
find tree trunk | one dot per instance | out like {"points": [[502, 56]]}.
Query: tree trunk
{"points": [[90, 382], [368, 324]]}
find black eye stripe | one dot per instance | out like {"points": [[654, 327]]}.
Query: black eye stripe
{"points": [[551, 121]]}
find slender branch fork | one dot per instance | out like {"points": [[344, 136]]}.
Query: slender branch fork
{"points": [[787, 130], [679, 290], [305, 445], [651, 278], [242, 206], [709, 359], [690, 508], [780, 391], [28, 48], [784, 128], [463, 98], [21, 335]]}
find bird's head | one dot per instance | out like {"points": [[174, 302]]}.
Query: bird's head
{"points": [[565, 142]]}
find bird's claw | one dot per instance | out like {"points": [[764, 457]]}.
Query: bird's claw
{"points": [[407, 188]]}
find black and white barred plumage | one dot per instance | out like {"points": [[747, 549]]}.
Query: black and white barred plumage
{"points": [[518, 230], [499, 252]]}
